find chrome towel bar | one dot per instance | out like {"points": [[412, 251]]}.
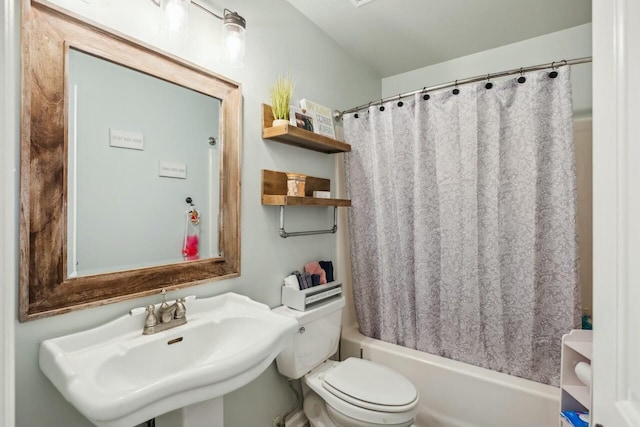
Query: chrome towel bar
{"points": [[284, 234]]}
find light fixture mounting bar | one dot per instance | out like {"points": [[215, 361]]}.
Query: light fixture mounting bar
{"points": [[198, 4], [206, 9]]}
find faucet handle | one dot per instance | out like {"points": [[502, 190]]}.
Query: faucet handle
{"points": [[181, 310], [152, 319], [137, 310]]}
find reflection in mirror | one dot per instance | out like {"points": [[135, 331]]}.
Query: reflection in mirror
{"points": [[138, 147], [76, 178]]}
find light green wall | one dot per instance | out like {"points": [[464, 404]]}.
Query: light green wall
{"points": [[279, 40]]}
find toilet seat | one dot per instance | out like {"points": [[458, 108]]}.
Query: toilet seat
{"points": [[371, 386], [352, 404]]}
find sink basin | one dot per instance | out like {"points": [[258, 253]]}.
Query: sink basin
{"points": [[117, 377]]}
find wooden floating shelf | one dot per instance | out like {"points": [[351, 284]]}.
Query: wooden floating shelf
{"points": [[298, 137], [279, 200], [274, 191]]}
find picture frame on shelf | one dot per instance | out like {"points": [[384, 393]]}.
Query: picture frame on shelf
{"points": [[298, 118], [323, 118]]}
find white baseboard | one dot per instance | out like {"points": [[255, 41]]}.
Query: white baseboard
{"points": [[299, 419]]}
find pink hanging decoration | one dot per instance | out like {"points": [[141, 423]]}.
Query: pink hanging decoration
{"points": [[191, 239]]}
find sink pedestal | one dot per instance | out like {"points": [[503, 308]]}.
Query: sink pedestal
{"points": [[208, 413]]}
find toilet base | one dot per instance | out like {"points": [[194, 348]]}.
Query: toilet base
{"points": [[320, 414], [316, 412]]}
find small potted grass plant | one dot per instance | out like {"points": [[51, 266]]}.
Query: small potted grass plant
{"points": [[281, 93]]}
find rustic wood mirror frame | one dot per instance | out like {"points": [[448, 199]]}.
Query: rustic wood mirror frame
{"points": [[45, 290]]}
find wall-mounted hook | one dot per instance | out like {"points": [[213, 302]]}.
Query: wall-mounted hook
{"points": [[189, 200], [212, 140]]}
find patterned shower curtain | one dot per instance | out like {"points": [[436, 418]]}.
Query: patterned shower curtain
{"points": [[463, 223]]}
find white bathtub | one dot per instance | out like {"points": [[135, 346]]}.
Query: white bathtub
{"points": [[455, 394]]}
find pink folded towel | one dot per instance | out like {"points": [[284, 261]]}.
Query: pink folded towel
{"points": [[314, 268]]}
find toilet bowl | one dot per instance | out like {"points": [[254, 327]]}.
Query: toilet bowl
{"points": [[351, 393], [359, 392]]}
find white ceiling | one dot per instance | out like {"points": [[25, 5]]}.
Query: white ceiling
{"points": [[395, 36]]}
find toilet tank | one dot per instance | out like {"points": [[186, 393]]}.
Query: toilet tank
{"points": [[315, 341]]}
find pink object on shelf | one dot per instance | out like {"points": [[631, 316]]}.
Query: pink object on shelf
{"points": [[314, 268]]}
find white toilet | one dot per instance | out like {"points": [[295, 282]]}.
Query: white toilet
{"points": [[352, 393]]}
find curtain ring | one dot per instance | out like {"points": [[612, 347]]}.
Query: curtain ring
{"points": [[400, 103], [369, 107], [489, 85], [522, 78], [426, 96], [456, 91], [381, 106], [553, 74]]}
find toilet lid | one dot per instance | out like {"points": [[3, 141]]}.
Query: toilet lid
{"points": [[370, 385]]}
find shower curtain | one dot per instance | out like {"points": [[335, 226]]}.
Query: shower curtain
{"points": [[463, 223]]}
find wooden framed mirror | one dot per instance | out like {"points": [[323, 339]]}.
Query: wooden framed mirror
{"points": [[49, 282]]}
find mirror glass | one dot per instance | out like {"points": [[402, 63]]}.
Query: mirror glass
{"points": [[138, 147]]}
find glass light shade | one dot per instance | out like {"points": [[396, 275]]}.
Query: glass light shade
{"points": [[175, 16], [233, 36]]}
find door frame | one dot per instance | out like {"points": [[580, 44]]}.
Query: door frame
{"points": [[9, 138], [616, 206]]}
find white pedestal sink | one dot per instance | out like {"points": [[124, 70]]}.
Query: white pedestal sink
{"points": [[117, 377]]}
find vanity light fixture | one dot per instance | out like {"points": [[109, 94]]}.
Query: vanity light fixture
{"points": [[234, 30], [234, 26]]}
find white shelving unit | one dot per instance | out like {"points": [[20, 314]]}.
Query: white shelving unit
{"points": [[576, 347]]}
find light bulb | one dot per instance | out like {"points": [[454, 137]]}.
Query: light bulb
{"points": [[234, 43], [175, 16]]}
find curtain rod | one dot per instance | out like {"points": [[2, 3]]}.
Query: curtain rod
{"points": [[556, 64]]}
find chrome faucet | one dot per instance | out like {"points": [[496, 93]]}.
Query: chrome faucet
{"points": [[167, 317]]}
